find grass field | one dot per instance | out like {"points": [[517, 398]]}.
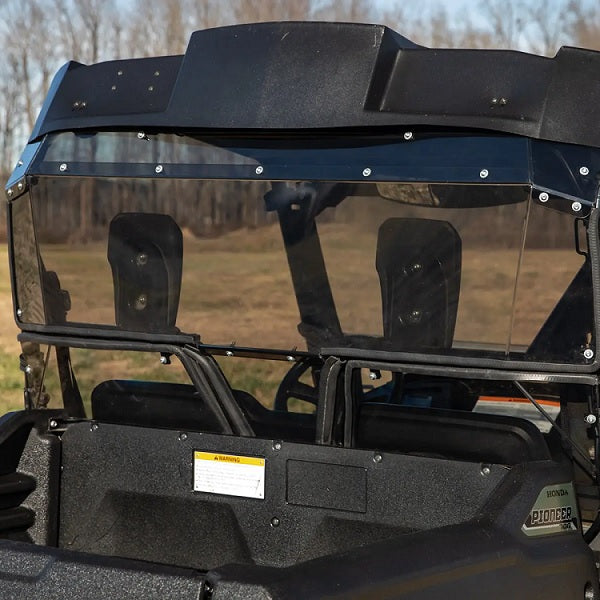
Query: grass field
{"points": [[237, 289], [11, 378]]}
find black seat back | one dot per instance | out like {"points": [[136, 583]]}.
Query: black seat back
{"points": [[419, 266], [145, 252], [457, 435]]}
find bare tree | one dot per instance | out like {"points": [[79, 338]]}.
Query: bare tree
{"points": [[245, 11], [505, 20], [584, 25]]}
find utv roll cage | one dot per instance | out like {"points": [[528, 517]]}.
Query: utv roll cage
{"points": [[304, 117]]}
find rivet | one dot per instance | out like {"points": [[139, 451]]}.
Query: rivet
{"points": [[28, 369], [164, 360], [590, 419], [141, 135], [150, 88], [259, 170], [9, 192], [156, 73], [408, 135], [377, 458], [119, 73], [584, 171], [140, 302], [366, 172], [20, 185], [158, 169], [182, 437], [53, 424], [94, 427], [290, 358], [275, 522], [113, 88], [277, 446], [485, 470], [19, 312], [229, 353], [20, 163], [576, 206], [483, 173], [63, 167], [544, 197], [588, 353]]}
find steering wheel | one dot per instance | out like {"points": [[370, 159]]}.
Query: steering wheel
{"points": [[292, 387]]}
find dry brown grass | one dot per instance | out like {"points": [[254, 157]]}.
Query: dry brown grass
{"points": [[237, 288]]}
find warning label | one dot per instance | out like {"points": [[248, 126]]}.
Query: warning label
{"points": [[229, 474]]}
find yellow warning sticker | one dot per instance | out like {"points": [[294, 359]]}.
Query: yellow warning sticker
{"points": [[229, 474]]}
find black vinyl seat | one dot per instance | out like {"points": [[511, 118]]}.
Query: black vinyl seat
{"points": [[180, 406], [456, 435], [153, 404]]}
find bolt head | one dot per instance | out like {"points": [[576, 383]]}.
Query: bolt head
{"points": [[483, 173], [377, 458], [584, 171], [141, 259], [20, 185], [140, 302], [275, 522], [588, 353], [408, 135], [28, 369], [366, 172], [182, 437], [544, 197], [19, 312], [290, 358], [485, 471], [9, 192], [164, 360], [53, 423], [590, 419], [229, 353], [141, 135], [63, 167], [259, 170], [277, 446], [576, 206], [372, 375], [94, 427], [414, 316], [158, 169]]}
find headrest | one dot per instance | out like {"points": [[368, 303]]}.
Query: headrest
{"points": [[419, 266]]}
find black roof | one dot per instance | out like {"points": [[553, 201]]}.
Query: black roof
{"points": [[305, 76]]}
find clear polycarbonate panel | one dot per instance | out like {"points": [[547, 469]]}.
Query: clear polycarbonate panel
{"points": [[466, 270]]}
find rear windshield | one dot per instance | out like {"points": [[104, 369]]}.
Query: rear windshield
{"points": [[464, 270]]}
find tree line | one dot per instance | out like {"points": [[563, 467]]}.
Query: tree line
{"points": [[38, 36]]}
